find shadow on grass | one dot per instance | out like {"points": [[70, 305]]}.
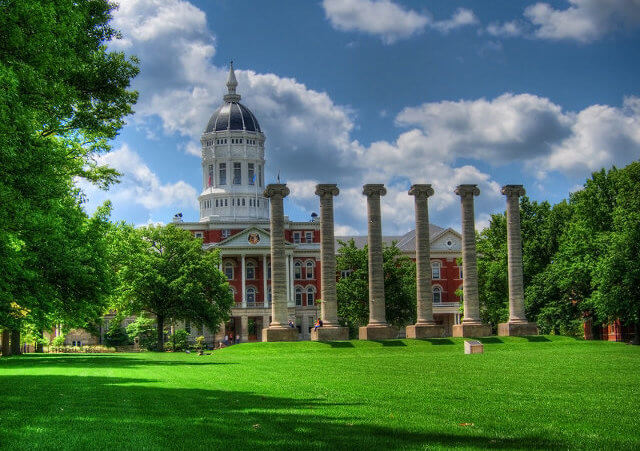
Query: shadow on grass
{"points": [[537, 338], [438, 341], [391, 343], [98, 360], [339, 344], [490, 340], [99, 412]]}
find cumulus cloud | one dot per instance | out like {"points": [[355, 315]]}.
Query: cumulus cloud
{"points": [[309, 137], [388, 20], [139, 184], [582, 21]]}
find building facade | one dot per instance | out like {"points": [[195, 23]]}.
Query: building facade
{"points": [[234, 218]]}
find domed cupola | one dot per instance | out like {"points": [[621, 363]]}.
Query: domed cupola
{"points": [[232, 115], [233, 162]]}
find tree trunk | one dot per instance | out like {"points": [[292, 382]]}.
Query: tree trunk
{"points": [[160, 325], [6, 338], [15, 342]]}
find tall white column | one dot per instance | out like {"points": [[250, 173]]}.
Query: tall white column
{"points": [[244, 277], [265, 292], [292, 282], [288, 282]]}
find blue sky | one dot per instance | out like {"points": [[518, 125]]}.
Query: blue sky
{"points": [[381, 91]]}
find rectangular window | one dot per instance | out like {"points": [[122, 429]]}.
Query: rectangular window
{"points": [[296, 237], [210, 175], [243, 201], [460, 272], [226, 203], [435, 270], [345, 273], [198, 234], [308, 236], [252, 174], [223, 173], [237, 174]]}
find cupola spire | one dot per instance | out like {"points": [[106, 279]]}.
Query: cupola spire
{"points": [[232, 84]]}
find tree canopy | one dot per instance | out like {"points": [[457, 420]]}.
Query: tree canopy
{"points": [[64, 95], [164, 271], [353, 291]]}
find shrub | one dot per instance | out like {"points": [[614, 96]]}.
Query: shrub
{"points": [[116, 335], [58, 341], [179, 341], [144, 331]]}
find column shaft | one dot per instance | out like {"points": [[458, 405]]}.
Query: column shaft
{"points": [[469, 263], [329, 306], [377, 314], [244, 281], [514, 249], [277, 193], [265, 291], [423, 254], [244, 328]]}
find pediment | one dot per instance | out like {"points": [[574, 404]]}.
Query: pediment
{"points": [[253, 237], [447, 240]]}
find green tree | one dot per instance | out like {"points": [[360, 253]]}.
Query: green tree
{"points": [[143, 330], [166, 273], [353, 291], [63, 96]]}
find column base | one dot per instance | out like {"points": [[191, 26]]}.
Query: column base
{"points": [[425, 331], [517, 329], [382, 332], [279, 334], [325, 333], [471, 330]]}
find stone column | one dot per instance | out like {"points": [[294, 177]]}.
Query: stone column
{"points": [[517, 324], [471, 325], [244, 281], [244, 329], [377, 329], [331, 329], [265, 291], [278, 330], [425, 327]]}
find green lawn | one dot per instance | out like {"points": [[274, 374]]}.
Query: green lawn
{"points": [[542, 392]]}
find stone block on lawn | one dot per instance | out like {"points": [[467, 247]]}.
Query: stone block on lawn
{"points": [[473, 347], [325, 333]]}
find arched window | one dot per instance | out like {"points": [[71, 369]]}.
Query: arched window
{"points": [[251, 271], [297, 270], [437, 294], [298, 296], [251, 295], [310, 295], [435, 270], [309, 269], [228, 270]]}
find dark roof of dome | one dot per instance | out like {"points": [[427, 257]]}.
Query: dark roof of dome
{"points": [[232, 116]]}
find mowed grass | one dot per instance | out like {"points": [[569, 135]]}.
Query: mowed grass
{"points": [[541, 392]]}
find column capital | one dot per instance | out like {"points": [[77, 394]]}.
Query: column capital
{"points": [[276, 190], [467, 190], [421, 190], [373, 189], [513, 190], [327, 189]]}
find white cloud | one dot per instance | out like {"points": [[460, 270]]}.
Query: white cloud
{"points": [[378, 17], [461, 17], [139, 184], [508, 29], [388, 20]]}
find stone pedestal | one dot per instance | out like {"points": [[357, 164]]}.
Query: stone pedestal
{"points": [[466, 330], [325, 333], [473, 347], [425, 331], [279, 334], [513, 329], [372, 332]]}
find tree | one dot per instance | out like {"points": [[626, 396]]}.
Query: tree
{"points": [[166, 272], [353, 291], [64, 95]]}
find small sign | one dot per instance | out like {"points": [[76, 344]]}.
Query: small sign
{"points": [[253, 238]]}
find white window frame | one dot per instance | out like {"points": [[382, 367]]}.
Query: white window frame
{"points": [[308, 237], [311, 291], [226, 267], [298, 297], [436, 266], [310, 269], [296, 237], [437, 290], [252, 266], [297, 270]]}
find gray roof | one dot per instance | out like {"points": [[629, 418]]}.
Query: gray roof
{"points": [[406, 242]]}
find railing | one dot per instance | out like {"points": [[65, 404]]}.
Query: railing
{"points": [[446, 304], [253, 305]]}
